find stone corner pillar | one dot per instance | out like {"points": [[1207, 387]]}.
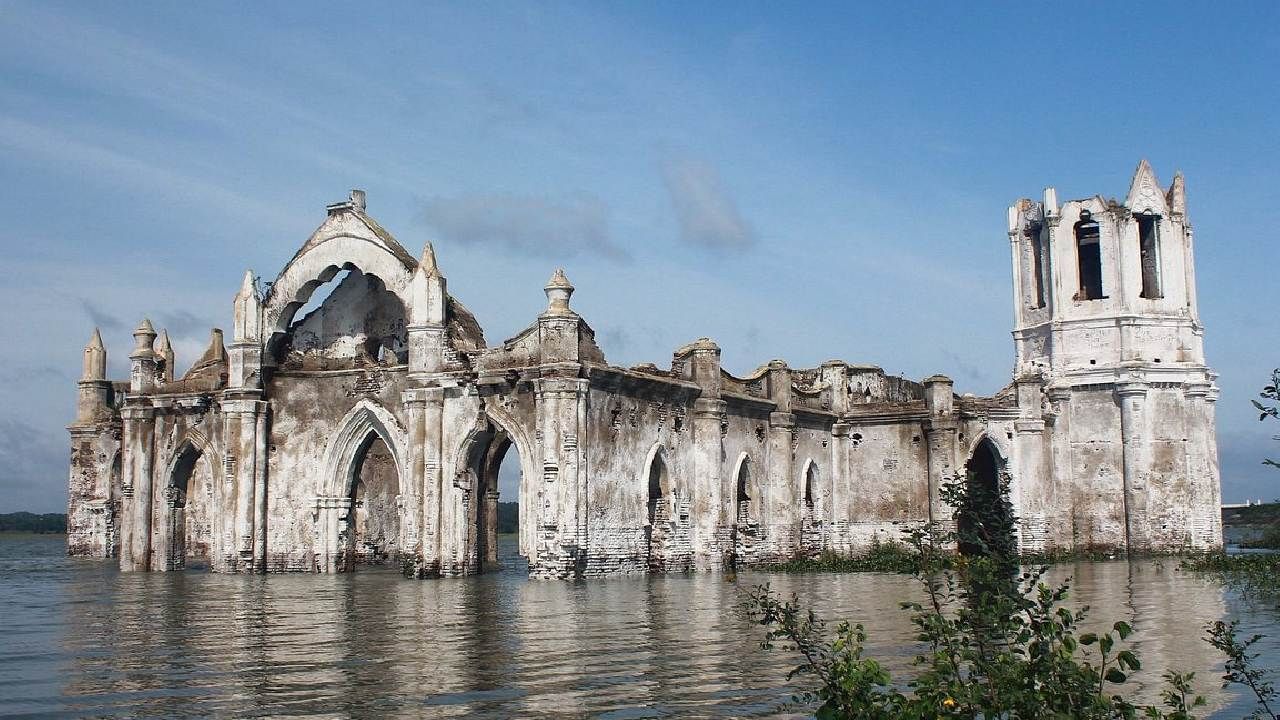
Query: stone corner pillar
{"points": [[137, 484], [1134, 435], [562, 496]]}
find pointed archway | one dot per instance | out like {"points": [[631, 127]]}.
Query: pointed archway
{"points": [[984, 515], [658, 508], [348, 479], [189, 508]]}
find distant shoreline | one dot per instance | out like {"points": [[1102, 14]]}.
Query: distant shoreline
{"points": [[33, 523]]}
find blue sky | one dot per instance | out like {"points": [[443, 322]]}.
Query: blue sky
{"points": [[804, 182]]}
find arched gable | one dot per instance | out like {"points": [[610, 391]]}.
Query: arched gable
{"points": [[318, 263], [340, 457]]}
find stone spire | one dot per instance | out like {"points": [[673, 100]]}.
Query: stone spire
{"points": [[1177, 196], [95, 358], [144, 340], [1145, 195], [248, 311], [558, 290], [428, 291], [166, 354], [428, 262], [142, 365]]}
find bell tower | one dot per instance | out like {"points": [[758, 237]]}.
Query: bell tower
{"points": [[1105, 312]]}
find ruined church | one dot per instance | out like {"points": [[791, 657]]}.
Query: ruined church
{"points": [[369, 428]]}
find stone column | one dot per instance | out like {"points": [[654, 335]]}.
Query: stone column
{"points": [[940, 432], [561, 404], [711, 504], [713, 508], [415, 403], [138, 441], [1061, 512], [432, 480], [1132, 394], [261, 460], [838, 509], [490, 527], [242, 409], [1032, 485]]}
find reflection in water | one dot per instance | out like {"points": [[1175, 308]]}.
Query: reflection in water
{"points": [[84, 640]]}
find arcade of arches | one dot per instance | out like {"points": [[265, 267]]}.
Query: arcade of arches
{"points": [[359, 416]]}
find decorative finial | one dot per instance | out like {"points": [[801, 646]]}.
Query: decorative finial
{"points": [[95, 358], [145, 328], [428, 262], [558, 290], [248, 286]]}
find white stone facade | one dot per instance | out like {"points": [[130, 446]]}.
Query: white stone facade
{"points": [[371, 429]]}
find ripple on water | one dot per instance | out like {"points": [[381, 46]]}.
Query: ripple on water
{"points": [[83, 640]]}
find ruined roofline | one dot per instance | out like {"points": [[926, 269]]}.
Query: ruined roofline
{"points": [[1144, 195]]}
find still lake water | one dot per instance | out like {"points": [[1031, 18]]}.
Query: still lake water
{"points": [[83, 640]]}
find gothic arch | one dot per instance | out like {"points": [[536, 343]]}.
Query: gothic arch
{"points": [[660, 486], [319, 262], [192, 442], [479, 449], [745, 495], [810, 476], [340, 460]]}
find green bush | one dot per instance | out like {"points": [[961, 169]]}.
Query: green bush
{"points": [[998, 642]]}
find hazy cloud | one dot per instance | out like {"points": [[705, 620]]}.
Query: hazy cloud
{"points": [[33, 468], [100, 318], [526, 224], [707, 215]]}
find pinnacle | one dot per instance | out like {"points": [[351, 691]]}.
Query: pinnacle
{"points": [[428, 263], [145, 328], [558, 280], [95, 341]]}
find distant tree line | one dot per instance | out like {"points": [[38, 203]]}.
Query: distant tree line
{"points": [[508, 517], [33, 522]]}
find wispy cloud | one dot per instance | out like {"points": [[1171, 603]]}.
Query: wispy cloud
{"points": [[707, 215], [526, 224], [102, 319], [33, 468]]}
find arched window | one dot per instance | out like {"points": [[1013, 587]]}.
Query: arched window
{"points": [[810, 485], [1149, 252], [1089, 255], [659, 485], [1034, 235], [744, 489]]}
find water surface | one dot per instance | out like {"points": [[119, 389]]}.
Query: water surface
{"points": [[84, 640]]}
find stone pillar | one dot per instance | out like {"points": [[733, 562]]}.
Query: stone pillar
{"points": [[1134, 435], [432, 481], [428, 311], [838, 509], [1032, 484], [242, 410], [94, 388], [162, 499], [490, 528], [1061, 513], [245, 355], [561, 404], [712, 502], [261, 460], [940, 432], [780, 509], [1202, 466], [138, 446], [415, 403]]}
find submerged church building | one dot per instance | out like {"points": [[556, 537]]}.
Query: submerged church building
{"points": [[370, 427]]}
